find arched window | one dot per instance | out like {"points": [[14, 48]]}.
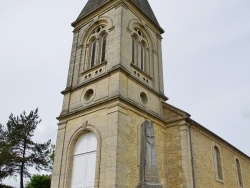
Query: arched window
{"points": [[238, 168], [218, 166], [84, 161], [96, 48], [140, 52]]}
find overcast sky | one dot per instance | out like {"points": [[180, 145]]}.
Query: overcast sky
{"points": [[206, 56]]}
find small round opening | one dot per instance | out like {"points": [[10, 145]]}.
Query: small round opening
{"points": [[144, 98], [89, 95]]}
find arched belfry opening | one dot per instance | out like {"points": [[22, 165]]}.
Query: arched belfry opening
{"points": [[140, 51], [95, 48]]}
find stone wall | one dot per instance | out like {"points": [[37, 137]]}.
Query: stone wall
{"points": [[205, 174]]}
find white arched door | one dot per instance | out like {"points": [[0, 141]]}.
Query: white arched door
{"points": [[83, 172]]}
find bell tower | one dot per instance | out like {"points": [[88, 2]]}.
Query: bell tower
{"points": [[114, 86]]}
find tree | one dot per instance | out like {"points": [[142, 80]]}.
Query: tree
{"points": [[52, 156], [5, 156], [19, 150], [39, 181], [5, 186]]}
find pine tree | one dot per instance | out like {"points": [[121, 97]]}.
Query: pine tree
{"points": [[19, 151], [5, 156]]}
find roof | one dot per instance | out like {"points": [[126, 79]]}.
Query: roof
{"points": [[143, 5], [91, 6]]}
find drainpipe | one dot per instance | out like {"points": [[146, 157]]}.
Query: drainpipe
{"points": [[192, 155]]}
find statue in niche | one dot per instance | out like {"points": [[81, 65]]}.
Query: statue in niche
{"points": [[148, 159]]}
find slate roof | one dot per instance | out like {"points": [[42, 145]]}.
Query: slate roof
{"points": [[90, 7], [143, 5]]}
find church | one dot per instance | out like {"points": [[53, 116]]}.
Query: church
{"points": [[116, 128]]}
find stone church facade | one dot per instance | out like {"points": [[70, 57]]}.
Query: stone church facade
{"points": [[116, 128]]}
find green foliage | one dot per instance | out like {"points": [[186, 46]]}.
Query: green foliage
{"points": [[5, 186], [5, 156], [52, 156], [39, 181], [18, 150]]}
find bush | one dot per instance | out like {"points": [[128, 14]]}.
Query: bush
{"points": [[39, 181]]}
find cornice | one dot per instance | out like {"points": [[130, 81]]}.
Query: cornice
{"points": [[114, 69], [103, 104]]}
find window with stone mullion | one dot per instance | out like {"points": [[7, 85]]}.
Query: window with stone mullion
{"points": [[95, 51], [140, 52]]}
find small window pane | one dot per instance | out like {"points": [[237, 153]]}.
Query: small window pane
{"points": [[92, 142], [93, 53], [103, 48], [81, 145], [90, 169], [133, 50], [78, 173], [142, 57]]}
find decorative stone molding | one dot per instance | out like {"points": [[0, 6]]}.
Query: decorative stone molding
{"points": [[141, 75], [94, 72]]}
